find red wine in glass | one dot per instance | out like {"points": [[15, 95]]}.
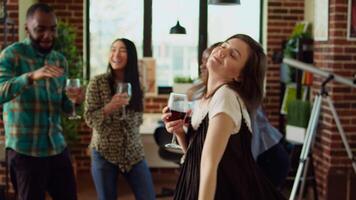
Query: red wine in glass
{"points": [[176, 115], [178, 107]]}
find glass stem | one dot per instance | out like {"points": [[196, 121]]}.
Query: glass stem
{"points": [[74, 113], [174, 139], [124, 111]]}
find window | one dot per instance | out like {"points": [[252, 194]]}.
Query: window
{"points": [[175, 54], [225, 21], [109, 20]]}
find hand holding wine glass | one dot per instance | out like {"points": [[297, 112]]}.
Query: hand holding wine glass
{"points": [[178, 107], [73, 91], [124, 88]]}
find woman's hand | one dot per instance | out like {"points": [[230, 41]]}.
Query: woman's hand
{"points": [[117, 101], [175, 126], [76, 95]]}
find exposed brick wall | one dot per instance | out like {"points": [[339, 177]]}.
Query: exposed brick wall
{"points": [[70, 11], [337, 54], [333, 169], [155, 104], [282, 17], [12, 13]]}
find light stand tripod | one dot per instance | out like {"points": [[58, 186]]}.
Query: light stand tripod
{"points": [[312, 125]]}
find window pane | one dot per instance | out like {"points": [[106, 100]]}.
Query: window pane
{"points": [[110, 20], [225, 21], [176, 55]]}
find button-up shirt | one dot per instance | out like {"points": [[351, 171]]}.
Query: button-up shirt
{"points": [[117, 139], [32, 112]]}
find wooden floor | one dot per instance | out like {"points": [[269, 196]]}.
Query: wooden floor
{"points": [[161, 178]]}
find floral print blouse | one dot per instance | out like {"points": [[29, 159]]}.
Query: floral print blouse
{"points": [[116, 139]]}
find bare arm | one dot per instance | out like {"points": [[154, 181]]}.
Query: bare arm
{"points": [[219, 132]]}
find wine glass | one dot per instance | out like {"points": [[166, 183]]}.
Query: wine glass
{"points": [[124, 88], [73, 90], [178, 107]]}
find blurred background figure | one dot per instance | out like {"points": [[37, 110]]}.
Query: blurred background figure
{"points": [[115, 116]]}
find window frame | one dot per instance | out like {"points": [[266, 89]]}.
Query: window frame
{"points": [[147, 31]]}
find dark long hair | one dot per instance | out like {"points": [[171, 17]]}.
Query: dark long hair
{"points": [[130, 75], [251, 85]]}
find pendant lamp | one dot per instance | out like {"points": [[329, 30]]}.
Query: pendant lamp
{"points": [[224, 2], [177, 29]]}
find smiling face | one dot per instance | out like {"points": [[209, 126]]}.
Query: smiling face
{"points": [[118, 55], [228, 60], [42, 30]]}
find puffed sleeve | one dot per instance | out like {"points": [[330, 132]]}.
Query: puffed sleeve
{"points": [[226, 101]]}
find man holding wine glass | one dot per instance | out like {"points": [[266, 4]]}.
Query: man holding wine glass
{"points": [[32, 81]]}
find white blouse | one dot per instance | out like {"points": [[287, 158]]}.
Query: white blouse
{"points": [[225, 100]]}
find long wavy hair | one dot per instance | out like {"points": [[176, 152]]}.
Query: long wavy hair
{"points": [[131, 75], [251, 84]]}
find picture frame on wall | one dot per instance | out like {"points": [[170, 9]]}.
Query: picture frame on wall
{"points": [[351, 20], [147, 73], [2, 10], [321, 20]]}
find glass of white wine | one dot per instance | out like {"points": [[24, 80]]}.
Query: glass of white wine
{"points": [[73, 90], [124, 88]]}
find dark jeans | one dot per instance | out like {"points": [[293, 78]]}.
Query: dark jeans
{"points": [[33, 176], [105, 175]]}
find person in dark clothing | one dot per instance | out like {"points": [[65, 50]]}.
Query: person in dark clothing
{"points": [[267, 142], [218, 160]]}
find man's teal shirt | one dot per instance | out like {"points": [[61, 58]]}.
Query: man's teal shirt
{"points": [[32, 112]]}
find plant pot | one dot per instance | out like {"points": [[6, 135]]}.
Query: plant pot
{"points": [[181, 87], [295, 134]]}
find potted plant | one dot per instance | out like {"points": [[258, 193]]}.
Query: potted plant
{"points": [[65, 44], [298, 113], [182, 84], [297, 108]]}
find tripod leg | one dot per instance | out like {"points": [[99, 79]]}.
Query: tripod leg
{"points": [[302, 186], [313, 122], [342, 133]]}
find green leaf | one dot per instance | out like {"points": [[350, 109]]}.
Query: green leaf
{"points": [[65, 43]]}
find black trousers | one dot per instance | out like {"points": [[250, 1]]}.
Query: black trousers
{"points": [[275, 164], [33, 176]]}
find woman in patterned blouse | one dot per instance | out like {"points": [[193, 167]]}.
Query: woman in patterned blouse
{"points": [[115, 143]]}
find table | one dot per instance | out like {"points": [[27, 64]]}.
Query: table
{"points": [[150, 123]]}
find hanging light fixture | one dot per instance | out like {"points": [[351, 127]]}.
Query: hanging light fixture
{"points": [[224, 2], [177, 29]]}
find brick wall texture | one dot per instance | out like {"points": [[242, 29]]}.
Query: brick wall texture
{"points": [[333, 170]]}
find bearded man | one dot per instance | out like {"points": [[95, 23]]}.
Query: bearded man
{"points": [[32, 82]]}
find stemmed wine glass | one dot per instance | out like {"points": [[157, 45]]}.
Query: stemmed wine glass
{"points": [[178, 107], [73, 90], [124, 88]]}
